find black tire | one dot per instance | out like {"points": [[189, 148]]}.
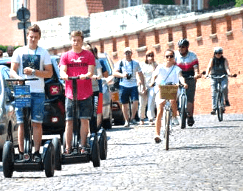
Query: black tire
{"points": [[220, 106], [95, 154], [103, 145], [8, 159], [49, 161], [167, 129], [107, 123], [183, 112], [58, 155]]}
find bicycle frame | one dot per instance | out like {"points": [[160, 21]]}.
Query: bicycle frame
{"points": [[219, 96], [167, 122]]}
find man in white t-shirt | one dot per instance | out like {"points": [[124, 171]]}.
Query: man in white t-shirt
{"points": [[128, 88], [32, 61], [166, 73]]}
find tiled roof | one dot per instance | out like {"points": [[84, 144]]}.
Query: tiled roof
{"points": [[95, 6]]}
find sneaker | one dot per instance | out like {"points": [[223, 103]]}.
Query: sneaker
{"points": [[213, 112], [134, 122], [83, 151], [157, 139], [190, 121], [126, 124], [37, 156], [175, 121], [227, 103]]}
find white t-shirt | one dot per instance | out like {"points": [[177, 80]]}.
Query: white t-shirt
{"points": [[35, 59], [95, 84], [148, 70], [162, 72], [131, 68]]}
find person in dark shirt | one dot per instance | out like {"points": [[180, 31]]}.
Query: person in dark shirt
{"points": [[218, 66]]}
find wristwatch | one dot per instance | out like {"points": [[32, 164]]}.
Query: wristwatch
{"points": [[33, 72]]}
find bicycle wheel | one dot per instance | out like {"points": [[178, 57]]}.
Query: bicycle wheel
{"points": [[167, 129], [220, 106], [183, 112]]}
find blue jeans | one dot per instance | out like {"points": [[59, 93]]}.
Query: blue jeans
{"points": [[224, 86], [37, 109]]}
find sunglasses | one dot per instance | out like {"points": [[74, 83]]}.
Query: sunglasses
{"points": [[182, 47], [150, 55], [219, 53], [169, 56], [127, 53]]}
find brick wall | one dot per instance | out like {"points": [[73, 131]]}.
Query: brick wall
{"points": [[199, 32]]}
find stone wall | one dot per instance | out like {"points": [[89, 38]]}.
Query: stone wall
{"points": [[133, 18], [56, 32]]}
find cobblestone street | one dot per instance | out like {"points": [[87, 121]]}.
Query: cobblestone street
{"points": [[207, 156]]}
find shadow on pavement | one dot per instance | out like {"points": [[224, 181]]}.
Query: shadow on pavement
{"points": [[215, 127], [129, 144], [198, 147], [120, 128]]}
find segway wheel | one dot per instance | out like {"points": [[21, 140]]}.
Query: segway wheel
{"points": [[95, 154], [49, 160], [8, 159], [58, 155], [103, 144]]}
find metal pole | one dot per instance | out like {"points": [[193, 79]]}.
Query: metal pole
{"points": [[25, 40]]}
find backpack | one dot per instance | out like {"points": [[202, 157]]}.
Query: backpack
{"points": [[117, 80]]}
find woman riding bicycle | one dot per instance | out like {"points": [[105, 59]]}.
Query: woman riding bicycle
{"points": [[218, 66], [164, 73]]}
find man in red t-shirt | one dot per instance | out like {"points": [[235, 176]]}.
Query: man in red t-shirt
{"points": [[78, 62]]}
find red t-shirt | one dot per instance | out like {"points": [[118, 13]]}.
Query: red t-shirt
{"points": [[77, 63]]}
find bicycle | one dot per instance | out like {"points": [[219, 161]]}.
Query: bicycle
{"points": [[168, 92], [182, 103], [182, 106], [220, 96]]}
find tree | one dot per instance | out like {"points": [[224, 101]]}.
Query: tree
{"points": [[217, 3], [239, 3], [162, 2]]}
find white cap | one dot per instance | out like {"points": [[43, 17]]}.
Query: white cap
{"points": [[218, 49], [127, 49]]}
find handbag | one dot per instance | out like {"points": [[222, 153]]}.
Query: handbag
{"points": [[117, 80]]}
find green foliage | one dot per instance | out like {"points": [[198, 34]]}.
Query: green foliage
{"points": [[4, 48], [162, 2], [239, 3], [216, 3]]}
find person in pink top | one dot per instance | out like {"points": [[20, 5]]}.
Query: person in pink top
{"points": [[78, 62]]}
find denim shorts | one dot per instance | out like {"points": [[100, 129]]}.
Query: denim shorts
{"points": [[84, 108], [126, 93], [37, 109]]}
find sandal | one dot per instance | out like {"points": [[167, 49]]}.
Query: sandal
{"points": [[67, 151]]}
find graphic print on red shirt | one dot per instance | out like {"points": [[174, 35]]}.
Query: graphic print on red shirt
{"points": [[77, 64]]}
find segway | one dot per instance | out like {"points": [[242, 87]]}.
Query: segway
{"points": [[11, 161], [93, 152]]}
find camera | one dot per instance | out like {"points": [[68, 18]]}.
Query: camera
{"points": [[129, 76]]}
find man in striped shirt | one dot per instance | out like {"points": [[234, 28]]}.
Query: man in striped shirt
{"points": [[188, 62]]}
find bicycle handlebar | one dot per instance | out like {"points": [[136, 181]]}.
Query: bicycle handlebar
{"points": [[74, 78], [21, 79], [222, 76]]}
